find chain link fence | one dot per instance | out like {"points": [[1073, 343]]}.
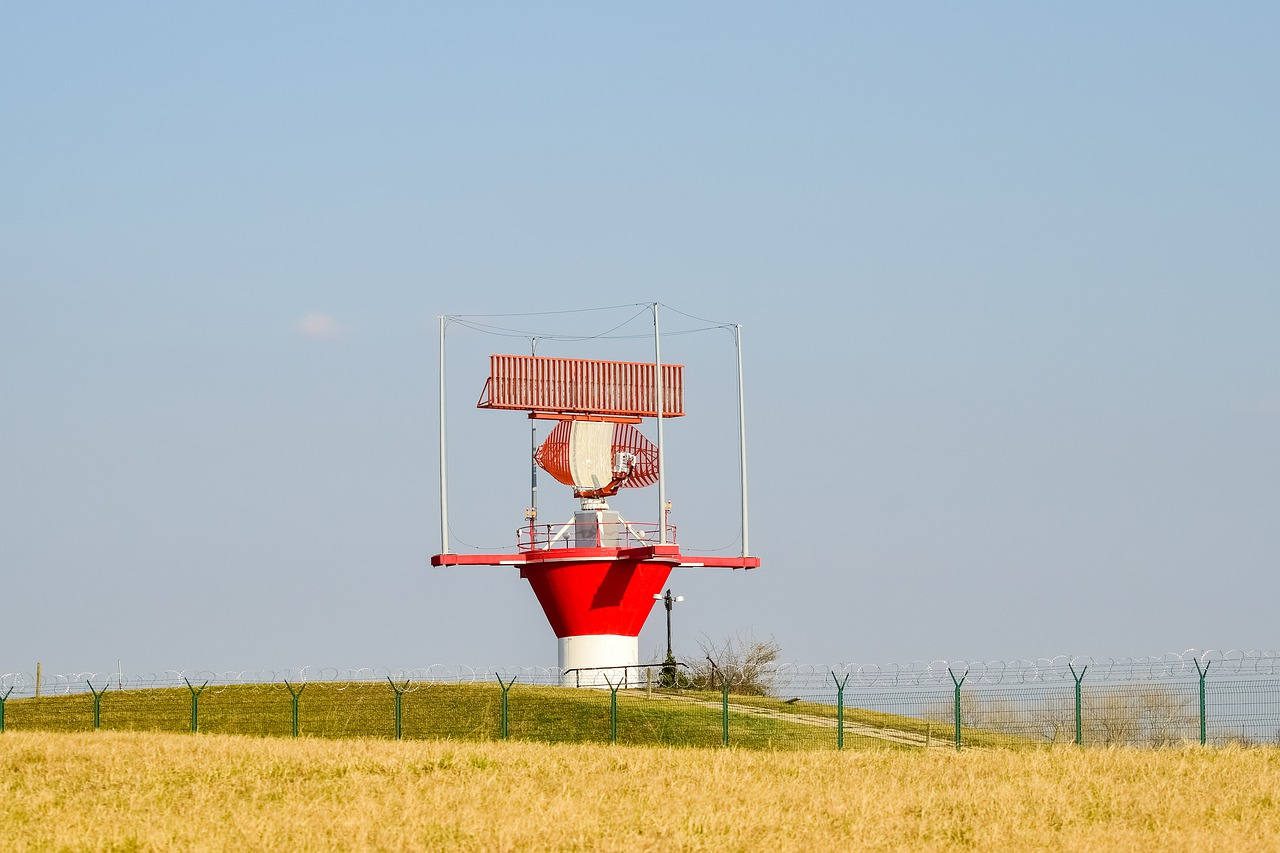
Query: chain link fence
{"points": [[1211, 698]]}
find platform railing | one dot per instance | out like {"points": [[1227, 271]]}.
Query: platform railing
{"points": [[637, 675], [602, 534]]}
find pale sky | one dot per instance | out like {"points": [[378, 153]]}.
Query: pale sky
{"points": [[1007, 275]]}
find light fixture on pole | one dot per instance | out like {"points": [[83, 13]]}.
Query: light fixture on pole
{"points": [[669, 665]]}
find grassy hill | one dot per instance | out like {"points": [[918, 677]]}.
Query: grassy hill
{"points": [[472, 712]]}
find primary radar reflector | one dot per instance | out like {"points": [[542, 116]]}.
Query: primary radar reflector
{"points": [[598, 458]]}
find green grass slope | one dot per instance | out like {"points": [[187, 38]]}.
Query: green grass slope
{"points": [[432, 711]]}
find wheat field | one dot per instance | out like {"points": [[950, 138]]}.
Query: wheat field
{"points": [[132, 790]]}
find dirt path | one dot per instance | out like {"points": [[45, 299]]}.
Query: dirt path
{"points": [[851, 729]]}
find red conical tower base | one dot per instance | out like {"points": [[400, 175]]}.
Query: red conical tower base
{"points": [[596, 599]]}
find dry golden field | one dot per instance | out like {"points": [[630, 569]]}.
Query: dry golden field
{"points": [[127, 790]]}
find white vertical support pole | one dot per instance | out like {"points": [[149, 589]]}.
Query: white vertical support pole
{"points": [[533, 455], [742, 441], [659, 394], [444, 464]]}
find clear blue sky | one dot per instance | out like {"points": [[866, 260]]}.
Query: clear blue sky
{"points": [[1008, 277]]}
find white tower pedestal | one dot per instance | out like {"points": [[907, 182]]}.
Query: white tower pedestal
{"points": [[599, 650]]}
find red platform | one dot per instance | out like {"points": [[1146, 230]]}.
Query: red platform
{"points": [[597, 590]]}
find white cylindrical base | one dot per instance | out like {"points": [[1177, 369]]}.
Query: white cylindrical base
{"points": [[582, 654]]}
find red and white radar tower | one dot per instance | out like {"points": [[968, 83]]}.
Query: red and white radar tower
{"points": [[595, 574]]}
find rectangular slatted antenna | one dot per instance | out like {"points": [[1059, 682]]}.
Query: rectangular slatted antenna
{"points": [[581, 386]]}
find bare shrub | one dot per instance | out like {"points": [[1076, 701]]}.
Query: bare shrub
{"points": [[748, 664], [1142, 715]]}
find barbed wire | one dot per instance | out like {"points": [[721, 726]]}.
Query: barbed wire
{"points": [[1158, 667], [56, 684], [1238, 663]]}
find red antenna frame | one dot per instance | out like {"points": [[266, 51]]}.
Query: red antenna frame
{"points": [[568, 388]]}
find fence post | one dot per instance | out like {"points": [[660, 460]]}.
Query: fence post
{"points": [[1202, 673], [97, 704], [399, 691], [840, 708], [506, 686], [724, 700], [957, 683], [724, 711], [295, 694], [2, 701], [195, 704], [613, 709], [1079, 677]]}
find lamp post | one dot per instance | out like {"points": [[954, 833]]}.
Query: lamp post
{"points": [[668, 600]]}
